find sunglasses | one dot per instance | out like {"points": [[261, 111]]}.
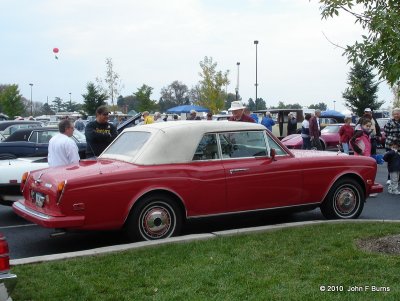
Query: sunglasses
{"points": [[106, 114]]}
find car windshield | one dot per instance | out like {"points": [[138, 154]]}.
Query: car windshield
{"points": [[331, 129], [126, 146]]}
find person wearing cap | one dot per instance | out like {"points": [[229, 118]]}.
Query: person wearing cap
{"points": [[375, 129], [237, 109], [99, 133]]}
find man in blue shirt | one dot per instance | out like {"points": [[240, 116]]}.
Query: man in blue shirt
{"points": [[267, 121]]}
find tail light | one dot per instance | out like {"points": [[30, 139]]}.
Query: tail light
{"points": [[60, 190], [24, 179], [4, 255]]}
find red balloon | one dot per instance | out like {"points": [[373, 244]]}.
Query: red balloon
{"points": [[55, 50]]}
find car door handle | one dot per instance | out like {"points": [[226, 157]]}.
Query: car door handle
{"points": [[232, 171]]}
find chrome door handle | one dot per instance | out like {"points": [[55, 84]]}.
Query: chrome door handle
{"points": [[232, 171]]}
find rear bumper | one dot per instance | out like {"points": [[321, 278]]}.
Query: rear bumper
{"points": [[376, 188], [7, 284], [45, 220]]}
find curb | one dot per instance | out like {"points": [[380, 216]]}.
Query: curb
{"points": [[183, 239]]}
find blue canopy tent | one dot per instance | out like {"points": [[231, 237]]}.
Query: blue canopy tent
{"points": [[186, 109]]}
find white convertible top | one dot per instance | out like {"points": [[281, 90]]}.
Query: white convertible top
{"points": [[176, 141]]}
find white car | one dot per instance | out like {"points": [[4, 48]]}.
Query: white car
{"points": [[11, 172]]}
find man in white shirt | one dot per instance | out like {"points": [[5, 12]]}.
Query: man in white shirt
{"points": [[62, 149]]}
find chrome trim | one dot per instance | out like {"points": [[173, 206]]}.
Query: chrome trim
{"points": [[31, 212], [7, 285], [255, 210], [232, 171]]}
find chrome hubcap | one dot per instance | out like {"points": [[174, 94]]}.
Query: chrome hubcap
{"points": [[346, 201], [156, 222]]}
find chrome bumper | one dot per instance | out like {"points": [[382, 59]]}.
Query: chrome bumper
{"points": [[7, 284]]}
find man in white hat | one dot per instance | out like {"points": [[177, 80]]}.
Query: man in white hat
{"points": [[237, 110]]}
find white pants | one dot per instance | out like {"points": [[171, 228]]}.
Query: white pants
{"points": [[394, 181]]}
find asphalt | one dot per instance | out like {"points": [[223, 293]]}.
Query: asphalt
{"points": [[182, 239]]}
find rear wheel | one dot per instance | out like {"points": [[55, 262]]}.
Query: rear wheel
{"points": [[345, 200], [156, 217]]}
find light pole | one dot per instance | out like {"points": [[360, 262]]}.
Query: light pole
{"points": [[31, 100], [70, 102], [237, 82], [256, 43], [334, 105]]}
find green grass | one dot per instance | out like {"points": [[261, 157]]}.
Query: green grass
{"points": [[286, 264]]}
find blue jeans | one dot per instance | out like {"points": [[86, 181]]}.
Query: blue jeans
{"points": [[306, 143], [345, 148]]}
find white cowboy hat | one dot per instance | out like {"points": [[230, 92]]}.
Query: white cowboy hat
{"points": [[236, 105]]}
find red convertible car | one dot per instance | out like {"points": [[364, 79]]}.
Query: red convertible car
{"points": [[154, 177]]}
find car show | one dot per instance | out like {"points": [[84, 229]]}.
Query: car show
{"points": [[200, 150]]}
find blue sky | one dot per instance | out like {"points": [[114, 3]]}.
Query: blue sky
{"points": [[155, 42]]}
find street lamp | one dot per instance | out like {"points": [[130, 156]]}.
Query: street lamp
{"points": [[31, 100], [334, 105], [70, 102], [237, 82], [256, 43]]}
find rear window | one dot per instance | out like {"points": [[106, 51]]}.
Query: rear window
{"points": [[126, 146]]}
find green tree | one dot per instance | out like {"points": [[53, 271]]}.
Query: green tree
{"points": [[58, 105], [396, 94], [46, 109], [282, 105], [113, 84], [260, 104], [210, 88], [143, 97], [380, 47], [362, 90], [320, 106], [11, 101], [93, 99]]}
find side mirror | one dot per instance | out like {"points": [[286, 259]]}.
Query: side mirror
{"points": [[272, 154]]}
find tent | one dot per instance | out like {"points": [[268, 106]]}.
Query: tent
{"points": [[332, 113], [186, 109]]}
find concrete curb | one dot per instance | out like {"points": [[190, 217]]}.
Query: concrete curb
{"points": [[183, 239]]}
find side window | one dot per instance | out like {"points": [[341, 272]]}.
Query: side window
{"points": [[207, 148], [243, 144], [272, 144], [34, 137]]}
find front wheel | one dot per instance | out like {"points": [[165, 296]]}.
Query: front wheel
{"points": [[345, 200], [156, 217]]}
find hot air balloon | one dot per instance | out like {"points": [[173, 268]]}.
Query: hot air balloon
{"points": [[55, 51]]}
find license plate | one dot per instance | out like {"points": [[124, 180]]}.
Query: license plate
{"points": [[39, 199]]}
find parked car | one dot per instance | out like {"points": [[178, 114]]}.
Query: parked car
{"points": [[10, 126], [7, 280], [11, 172], [34, 142], [153, 178], [329, 138]]}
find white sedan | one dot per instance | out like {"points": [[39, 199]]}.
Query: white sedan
{"points": [[11, 172]]}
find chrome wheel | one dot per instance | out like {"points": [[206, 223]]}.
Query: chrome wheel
{"points": [[157, 220], [345, 200]]}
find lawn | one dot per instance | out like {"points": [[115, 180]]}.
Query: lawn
{"points": [[319, 262]]}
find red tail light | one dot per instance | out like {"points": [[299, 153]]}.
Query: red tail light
{"points": [[4, 256], [23, 180]]}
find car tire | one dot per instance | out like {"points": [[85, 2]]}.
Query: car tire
{"points": [[7, 156], [345, 200], [157, 216]]}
